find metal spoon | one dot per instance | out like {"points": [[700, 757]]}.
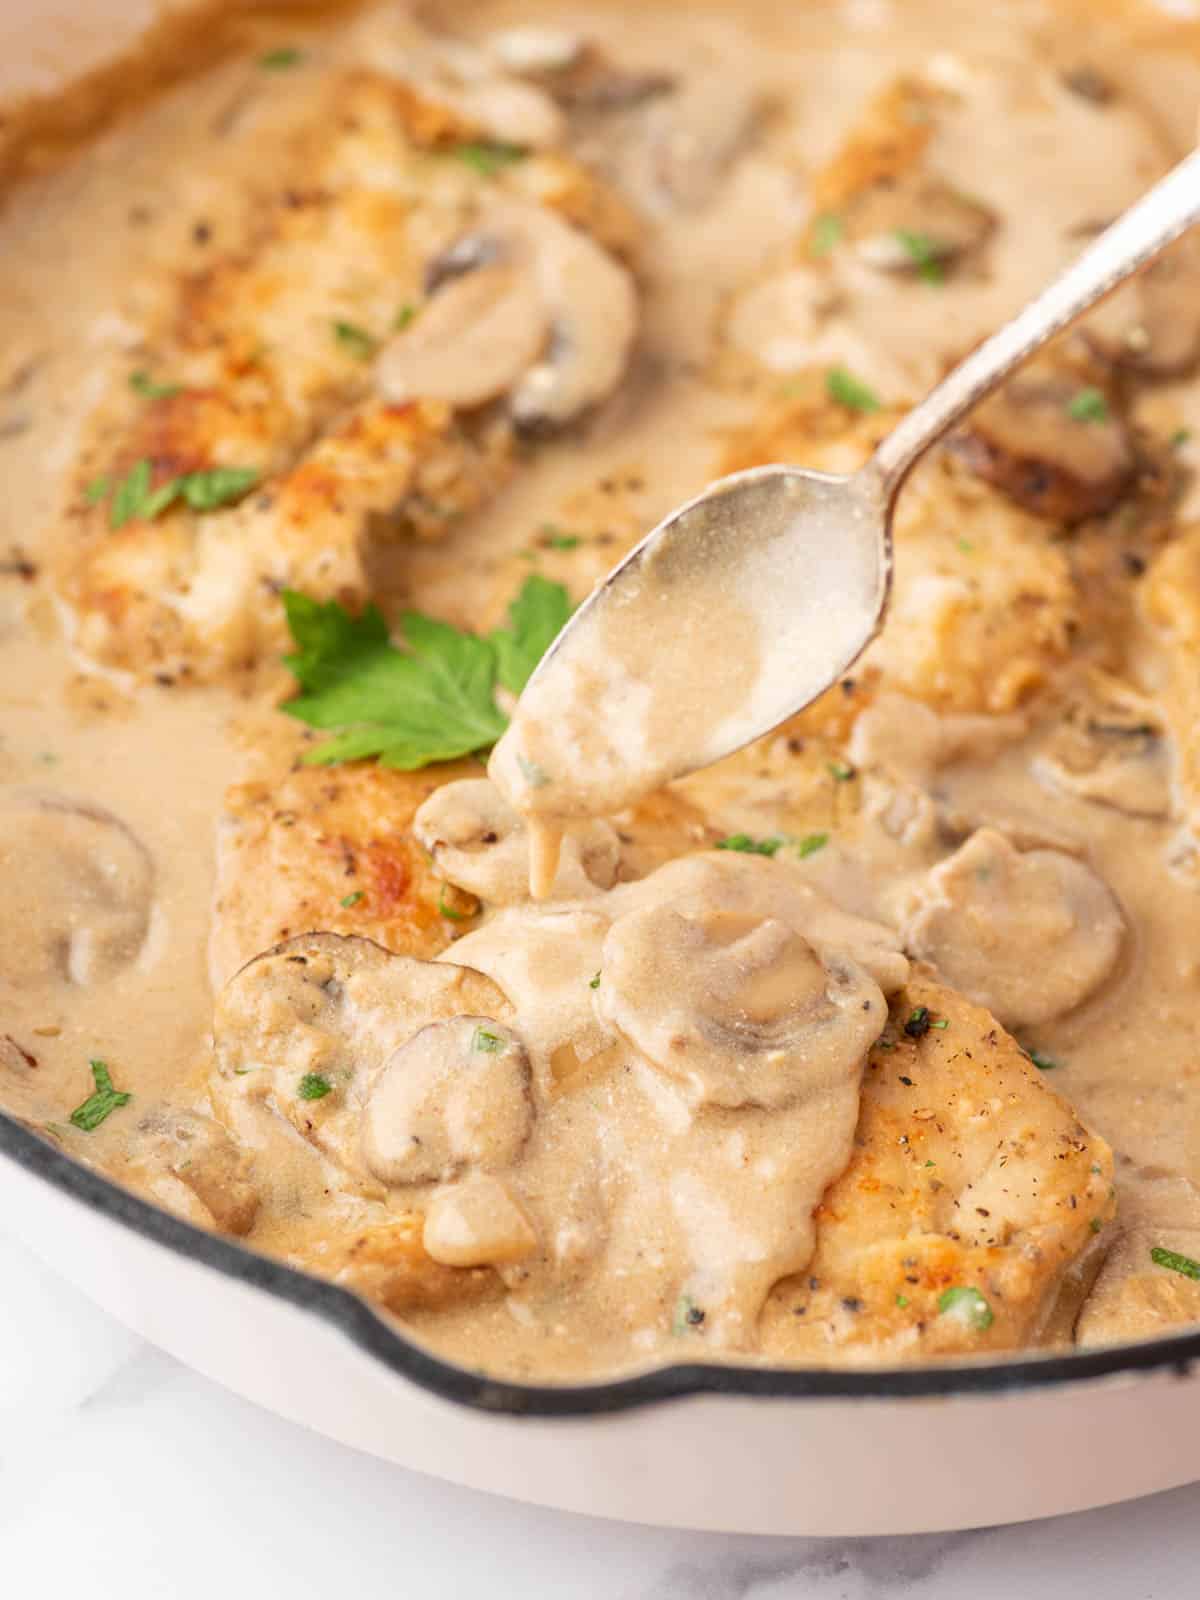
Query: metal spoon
{"points": [[809, 554]]}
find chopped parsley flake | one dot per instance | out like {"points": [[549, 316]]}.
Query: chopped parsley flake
{"points": [[745, 845], [554, 539], [918, 1023], [967, 1305], [445, 909], [1096, 1224], [594, 983], [488, 156], [99, 489], [431, 698], [404, 316], [490, 1043], [142, 383], [902, 1301], [925, 252], [944, 1023], [827, 231], [810, 844], [349, 900], [840, 771], [280, 60], [102, 1102], [1171, 1259], [1180, 437], [314, 1086], [846, 389], [1042, 1062], [354, 340], [1089, 405]]}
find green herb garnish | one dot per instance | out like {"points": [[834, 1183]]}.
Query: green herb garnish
{"points": [[918, 1023], [97, 490], [810, 844], [314, 1086], [142, 383], [594, 983], [349, 900], [925, 252], [840, 771], [1096, 1224], [102, 1102], [1089, 405], [404, 316], [1042, 1062], [827, 231], [445, 909], [280, 60], [206, 490], [968, 1305], [490, 1043], [1171, 1259], [535, 619], [354, 340], [554, 539], [745, 845], [902, 1301], [489, 156], [1180, 437], [846, 389], [944, 1023]]}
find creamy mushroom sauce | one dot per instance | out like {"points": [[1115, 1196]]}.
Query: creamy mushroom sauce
{"points": [[665, 1066]]}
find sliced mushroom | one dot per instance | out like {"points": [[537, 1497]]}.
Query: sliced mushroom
{"points": [[577, 73], [478, 1223], [693, 137], [456, 1095], [479, 843], [1153, 324], [199, 1152], [1028, 935], [527, 304], [738, 979], [483, 326], [592, 304], [308, 1027], [78, 890], [1110, 751], [1038, 443], [917, 225]]}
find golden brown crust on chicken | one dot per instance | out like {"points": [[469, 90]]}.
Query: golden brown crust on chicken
{"points": [[262, 361], [330, 848], [388, 1263], [968, 1173]]}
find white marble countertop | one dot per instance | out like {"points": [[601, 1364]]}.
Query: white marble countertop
{"points": [[124, 1474]]}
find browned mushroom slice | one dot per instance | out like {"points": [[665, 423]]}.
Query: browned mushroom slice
{"points": [[1052, 446], [919, 226], [575, 71], [1153, 324], [78, 887], [198, 1153]]}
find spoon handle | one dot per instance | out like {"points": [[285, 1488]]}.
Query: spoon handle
{"points": [[1155, 221]]}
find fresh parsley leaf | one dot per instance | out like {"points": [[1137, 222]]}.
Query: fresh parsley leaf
{"points": [[489, 156], [1089, 405], [490, 1043], [429, 698], [354, 340], [918, 1023], [280, 60], [445, 909], [129, 495], [97, 490], [554, 538], [314, 1086], [925, 252], [404, 316], [846, 389], [1171, 1259], [431, 701], [826, 233], [217, 486], [102, 1102], [594, 982], [902, 1301], [967, 1305], [840, 771], [536, 617], [142, 383], [745, 845], [349, 900], [1180, 437]]}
